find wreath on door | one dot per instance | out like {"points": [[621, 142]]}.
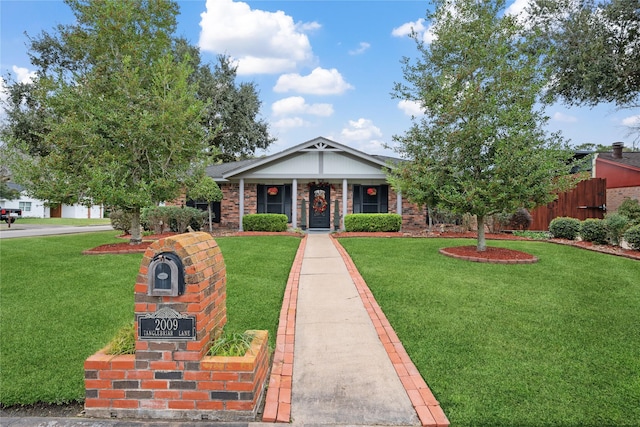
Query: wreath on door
{"points": [[319, 202]]}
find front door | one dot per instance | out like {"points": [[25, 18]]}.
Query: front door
{"points": [[319, 214]]}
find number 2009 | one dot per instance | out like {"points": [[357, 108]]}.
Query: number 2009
{"points": [[166, 324]]}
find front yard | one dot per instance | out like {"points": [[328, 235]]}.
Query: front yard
{"points": [[554, 343]]}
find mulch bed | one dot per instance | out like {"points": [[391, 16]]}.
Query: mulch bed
{"points": [[126, 248]]}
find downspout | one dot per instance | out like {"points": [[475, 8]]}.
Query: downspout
{"points": [[294, 201], [345, 199], [241, 204]]}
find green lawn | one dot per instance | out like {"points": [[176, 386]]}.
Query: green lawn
{"points": [[555, 343], [59, 306]]}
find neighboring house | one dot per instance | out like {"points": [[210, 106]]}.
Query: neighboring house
{"points": [[621, 169], [34, 208], [321, 174]]}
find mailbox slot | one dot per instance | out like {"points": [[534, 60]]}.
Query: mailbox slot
{"points": [[166, 275]]}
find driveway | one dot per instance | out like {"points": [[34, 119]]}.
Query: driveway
{"points": [[31, 230]]}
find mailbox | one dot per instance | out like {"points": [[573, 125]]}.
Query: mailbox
{"points": [[166, 275]]}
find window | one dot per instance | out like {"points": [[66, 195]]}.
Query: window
{"points": [[202, 205], [275, 199], [370, 198], [25, 206]]}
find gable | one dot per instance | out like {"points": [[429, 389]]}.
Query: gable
{"points": [[317, 159]]}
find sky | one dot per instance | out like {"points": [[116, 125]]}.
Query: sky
{"points": [[322, 67]]}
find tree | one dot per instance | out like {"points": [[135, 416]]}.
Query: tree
{"points": [[121, 118], [595, 53], [231, 121], [206, 189], [480, 147]]}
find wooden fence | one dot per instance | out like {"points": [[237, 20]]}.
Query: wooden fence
{"points": [[587, 200]]}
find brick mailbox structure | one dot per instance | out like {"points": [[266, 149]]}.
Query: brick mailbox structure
{"points": [[180, 308]]}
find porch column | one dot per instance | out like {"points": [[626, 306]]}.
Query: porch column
{"points": [[399, 203], [241, 204], [345, 199], [294, 207]]}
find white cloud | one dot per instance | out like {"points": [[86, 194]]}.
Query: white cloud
{"points": [[517, 7], [360, 130], [564, 118], [631, 121], [262, 42], [320, 82], [406, 29], [23, 75], [290, 123], [411, 108], [298, 105], [363, 47]]}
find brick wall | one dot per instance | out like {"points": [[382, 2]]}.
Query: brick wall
{"points": [[615, 196], [413, 217], [175, 378]]}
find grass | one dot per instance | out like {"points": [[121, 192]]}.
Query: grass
{"points": [[58, 306], [64, 221], [553, 343]]}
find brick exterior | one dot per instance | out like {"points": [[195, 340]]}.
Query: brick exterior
{"points": [[413, 217], [175, 379], [615, 196]]}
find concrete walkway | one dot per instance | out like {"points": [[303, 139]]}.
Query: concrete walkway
{"points": [[337, 360]]}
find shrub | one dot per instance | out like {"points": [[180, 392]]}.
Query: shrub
{"points": [[631, 209], [632, 237], [264, 222], [520, 220], [617, 224], [124, 342], [564, 228], [121, 220], [232, 344], [181, 218], [157, 218], [372, 222], [594, 230]]}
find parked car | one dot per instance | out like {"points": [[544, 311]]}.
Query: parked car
{"points": [[10, 215]]}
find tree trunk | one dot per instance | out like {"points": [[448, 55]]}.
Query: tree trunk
{"points": [[482, 243], [136, 235]]}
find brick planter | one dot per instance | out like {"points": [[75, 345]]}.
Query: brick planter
{"points": [[172, 378], [214, 388]]}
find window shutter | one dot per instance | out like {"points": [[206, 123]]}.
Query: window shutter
{"points": [[384, 199], [287, 201], [217, 212], [262, 199], [357, 199]]}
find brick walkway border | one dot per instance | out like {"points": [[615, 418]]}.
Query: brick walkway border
{"points": [[278, 400], [277, 407]]}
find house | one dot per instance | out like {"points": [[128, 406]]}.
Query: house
{"points": [[34, 208], [315, 184], [621, 169]]}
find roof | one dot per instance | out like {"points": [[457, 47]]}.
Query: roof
{"points": [[629, 158]]}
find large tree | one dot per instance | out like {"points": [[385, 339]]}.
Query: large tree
{"points": [[480, 147], [595, 49], [120, 120]]}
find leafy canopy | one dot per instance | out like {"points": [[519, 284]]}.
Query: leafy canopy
{"points": [[480, 147]]}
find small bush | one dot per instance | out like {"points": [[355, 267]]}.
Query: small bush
{"points": [[632, 237], [520, 220], [264, 222], [124, 342], [157, 219], [617, 224], [231, 345], [631, 209], [594, 230], [564, 228], [121, 220], [181, 218], [372, 222]]}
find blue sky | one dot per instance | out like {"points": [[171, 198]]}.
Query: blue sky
{"points": [[322, 68]]}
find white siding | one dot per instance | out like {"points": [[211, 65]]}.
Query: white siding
{"points": [[340, 164]]}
